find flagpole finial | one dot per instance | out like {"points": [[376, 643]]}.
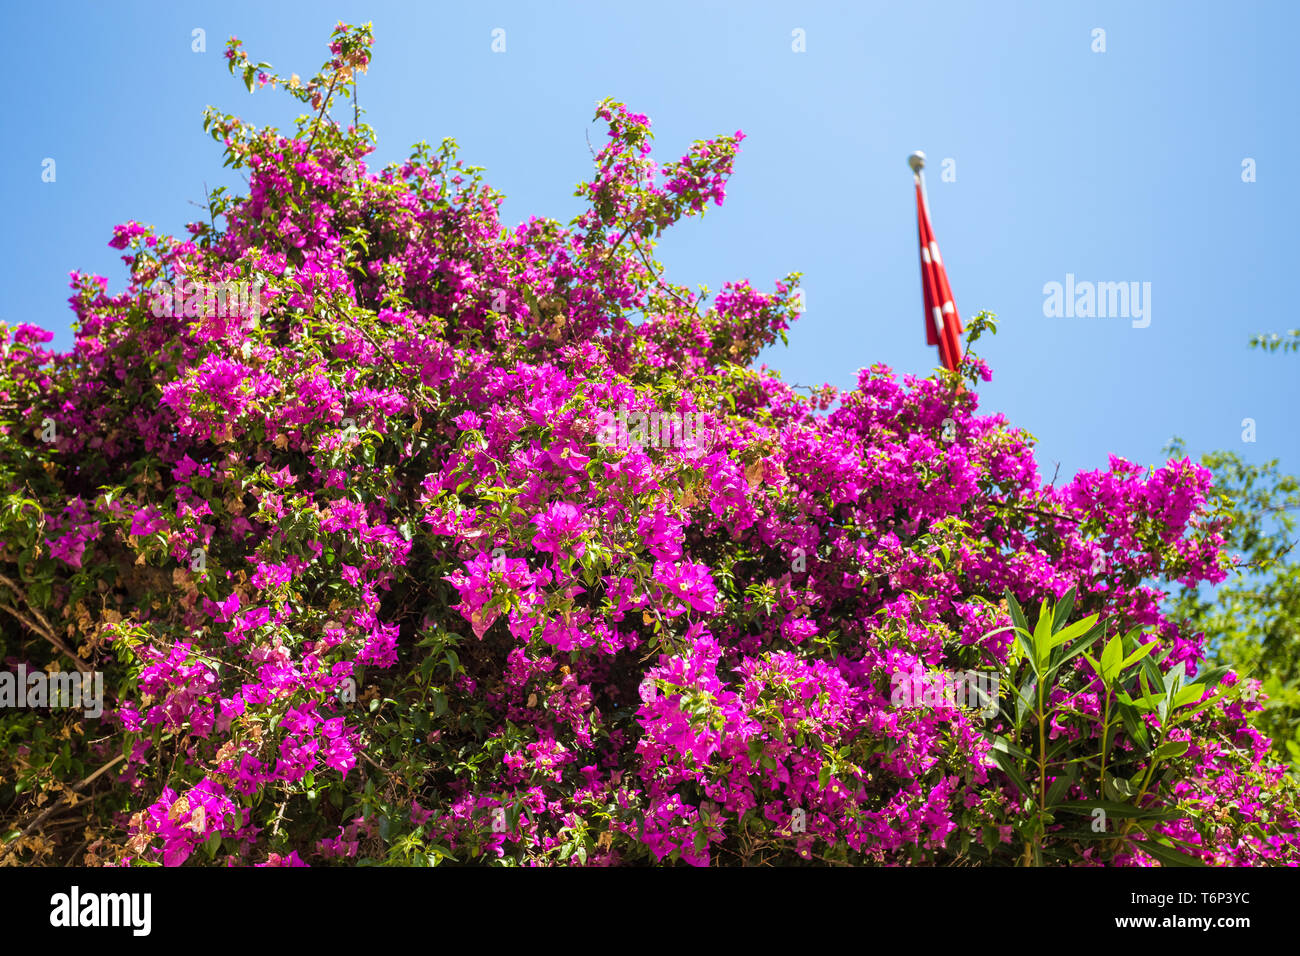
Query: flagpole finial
{"points": [[916, 161]]}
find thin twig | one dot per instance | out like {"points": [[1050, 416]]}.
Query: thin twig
{"points": [[658, 277], [275, 828], [43, 627], [1032, 511], [323, 107], [67, 793]]}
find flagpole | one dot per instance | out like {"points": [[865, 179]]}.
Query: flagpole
{"points": [[917, 162], [949, 344]]}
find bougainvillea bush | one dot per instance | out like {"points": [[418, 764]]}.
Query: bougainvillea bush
{"points": [[402, 536]]}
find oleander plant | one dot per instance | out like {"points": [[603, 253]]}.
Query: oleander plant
{"points": [[400, 536]]}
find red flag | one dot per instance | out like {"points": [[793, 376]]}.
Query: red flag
{"points": [[942, 323]]}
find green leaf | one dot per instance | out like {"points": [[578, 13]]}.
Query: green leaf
{"points": [[1170, 749], [1081, 645], [1137, 655], [1060, 786], [1188, 695], [1113, 808], [1008, 765], [1167, 854], [1017, 613], [1000, 743], [1118, 788], [1025, 641], [1137, 730], [442, 852], [1173, 678], [1076, 629], [1093, 663], [1211, 676], [1151, 670], [1043, 635], [1065, 606], [1026, 697], [1111, 659]]}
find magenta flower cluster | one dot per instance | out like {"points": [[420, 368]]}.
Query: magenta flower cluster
{"points": [[378, 584]]}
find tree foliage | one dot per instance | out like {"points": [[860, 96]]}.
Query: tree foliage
{"points": [[458, 542], [1252, 620]]}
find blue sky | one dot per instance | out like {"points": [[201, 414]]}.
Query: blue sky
{"points": [[1115, 166]]}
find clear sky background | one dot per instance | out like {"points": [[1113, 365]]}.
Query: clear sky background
{"points": [[1117, 166]]}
